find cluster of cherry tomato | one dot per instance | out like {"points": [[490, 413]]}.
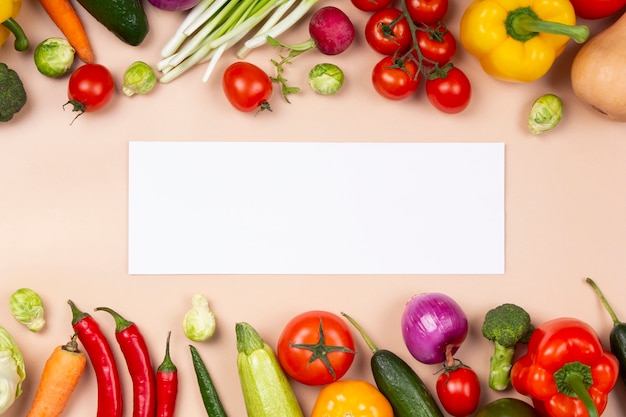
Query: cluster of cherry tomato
{"points": [[415, 44]]}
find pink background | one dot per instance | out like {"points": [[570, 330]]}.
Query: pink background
{"points": [[63, 211]]}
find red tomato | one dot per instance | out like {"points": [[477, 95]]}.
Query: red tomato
{"points": [[429, 12], [597, 9], [451, 92], [437, 44], [459, 391], [316, 348], [385, 38], [247, 87], [371, 5], [90, 88], [395, 79]]}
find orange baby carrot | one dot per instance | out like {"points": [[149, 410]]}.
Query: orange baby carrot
{"points": [[60, 375], [65, 17]]}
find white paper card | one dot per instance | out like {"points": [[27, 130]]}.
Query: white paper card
{"points": [[316, 208]]}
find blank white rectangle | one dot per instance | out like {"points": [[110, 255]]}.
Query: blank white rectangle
{"points": [[316, 208]]}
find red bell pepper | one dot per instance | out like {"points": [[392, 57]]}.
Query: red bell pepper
{"points": [[566, 371]]}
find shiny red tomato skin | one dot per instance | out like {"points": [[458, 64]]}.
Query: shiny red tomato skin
{"points": [[246, 86], [396, 38], [429, 12], [437, 48], [451, 94], [92, 86], [304, 329], [395, 83], [597, 9], [459, 391], [371, 5]]}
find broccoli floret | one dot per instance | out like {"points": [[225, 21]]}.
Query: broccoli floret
{"points": [[12, 93], [506, 326]]}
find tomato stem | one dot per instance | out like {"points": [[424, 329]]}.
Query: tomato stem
{"points": [[320, 350]]}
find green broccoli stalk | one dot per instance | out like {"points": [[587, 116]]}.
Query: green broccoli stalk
{"points": [[12, 93], [506, 326]]}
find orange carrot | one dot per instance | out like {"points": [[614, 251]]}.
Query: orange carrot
{"points": [[65, 17], [60, 376]]}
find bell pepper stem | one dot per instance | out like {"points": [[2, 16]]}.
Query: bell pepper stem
{"points": [[523, 24], [21, 41], [574, 380]]}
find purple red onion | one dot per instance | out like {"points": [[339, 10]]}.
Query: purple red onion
{"points": [[433, 327]]}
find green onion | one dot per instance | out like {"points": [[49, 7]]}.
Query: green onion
{"points": [[214, 26]]}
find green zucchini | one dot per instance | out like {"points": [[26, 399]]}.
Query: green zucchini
{"points": [[404, 389], [125, 18], [210, 398], [266, 389]]}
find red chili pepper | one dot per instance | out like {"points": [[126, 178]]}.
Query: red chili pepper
{"points": [[97, 347], [566, 371], [135, 351], [166, 384]]}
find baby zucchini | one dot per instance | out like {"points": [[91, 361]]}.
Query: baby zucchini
{"points": [[266, 389], [404, 389]]}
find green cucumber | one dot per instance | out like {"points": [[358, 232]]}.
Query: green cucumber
{"points": [[125, 18], [404, 389], [266, 389], [210, 398]]}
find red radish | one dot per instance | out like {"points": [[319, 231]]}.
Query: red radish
{"points": [[332, 30]]}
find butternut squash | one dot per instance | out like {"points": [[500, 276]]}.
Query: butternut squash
{"points": [[598, 72]]}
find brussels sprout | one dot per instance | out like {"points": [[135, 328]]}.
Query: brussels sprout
{"points": [[326, 79], [12, 370], [27, 308], [139, 78], [199, 322], [54, 57], [545, 114]]}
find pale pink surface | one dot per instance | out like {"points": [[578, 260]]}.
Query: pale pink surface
{"points": [[63, 218]]}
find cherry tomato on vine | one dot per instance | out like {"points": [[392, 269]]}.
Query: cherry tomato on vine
{"points": [[316, 348], [395, 79], [90, 88], [247, 87], [458, 390], [371, 5], [436, 43], [429, 12], [450, 92], [388, 32]]}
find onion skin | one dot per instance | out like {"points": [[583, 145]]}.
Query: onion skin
{"points": [[433, 326], [174, 5]]}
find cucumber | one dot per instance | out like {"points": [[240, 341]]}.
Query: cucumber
{"points": [[404, 389], [266, 389], [125, 18]]}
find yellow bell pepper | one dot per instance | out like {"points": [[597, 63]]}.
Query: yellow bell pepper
{"points": [[9, 9], [519, 40]]}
